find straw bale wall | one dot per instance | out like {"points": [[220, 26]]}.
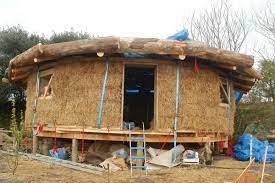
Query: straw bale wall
{"points": [[76, 96], [77, 86], [199, 99]]}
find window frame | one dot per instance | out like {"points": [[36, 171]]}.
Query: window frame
{"points": [[43, 74]]}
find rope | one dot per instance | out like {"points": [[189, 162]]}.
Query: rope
{"points": [[164, 143]]}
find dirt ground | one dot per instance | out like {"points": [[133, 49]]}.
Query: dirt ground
{"points": [[223, 170]]}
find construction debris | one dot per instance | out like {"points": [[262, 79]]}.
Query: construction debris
{"points": [[190, 157], [100, 151], [166, 158], [115, 164]]}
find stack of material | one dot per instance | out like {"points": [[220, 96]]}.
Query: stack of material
{"points": [[100, 151], [165, 158]]}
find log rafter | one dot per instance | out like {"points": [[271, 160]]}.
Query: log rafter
{"points": [[23, 63]]}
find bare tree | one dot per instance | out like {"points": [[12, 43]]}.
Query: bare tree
{"points": [[265, 25], [220, 26]]}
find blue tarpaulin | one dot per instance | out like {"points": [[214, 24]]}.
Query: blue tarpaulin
{"points": [[241, 151], [180, 36], [238, 96], [60, 154]]}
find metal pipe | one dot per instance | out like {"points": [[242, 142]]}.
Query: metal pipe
{"points": [[176, 112], [99, 119]]}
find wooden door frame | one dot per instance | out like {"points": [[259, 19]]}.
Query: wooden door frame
{"points": [[148, 65]]}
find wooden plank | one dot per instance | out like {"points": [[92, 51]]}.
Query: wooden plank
{"points": [[221, 85], [121, 137], [156, 99], [122, 94], [115, 131], [60, 162], [47, 65], [46, 72], [48, 86]]}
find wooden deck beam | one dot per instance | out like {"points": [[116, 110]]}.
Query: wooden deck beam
{"points": [[181, 138]]}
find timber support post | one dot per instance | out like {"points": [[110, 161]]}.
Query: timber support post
{"points": [[34, 144], [74, 150], [208, 153], [45, 147]]}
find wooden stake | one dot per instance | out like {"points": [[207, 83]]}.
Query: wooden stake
{"points": [[108, 165], [45, 147]]}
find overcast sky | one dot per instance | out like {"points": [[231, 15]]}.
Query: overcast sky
{"points": [[140, 18]]}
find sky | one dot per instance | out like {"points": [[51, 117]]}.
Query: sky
{"points": [[136, 18]]}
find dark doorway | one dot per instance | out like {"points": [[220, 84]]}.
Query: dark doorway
{"points": [[139, 95]]}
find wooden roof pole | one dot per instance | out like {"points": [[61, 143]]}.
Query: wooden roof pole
{"points": [[132, 45]]}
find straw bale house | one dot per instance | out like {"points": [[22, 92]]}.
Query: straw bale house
{"points": [[94, 86]]}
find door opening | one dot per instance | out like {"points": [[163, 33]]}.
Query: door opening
{"points": [[139, 95]]}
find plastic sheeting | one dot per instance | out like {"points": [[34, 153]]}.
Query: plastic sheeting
{"points": [[61, 153], [238, 96], [241, 151], [180, 36], [165, 158]]}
